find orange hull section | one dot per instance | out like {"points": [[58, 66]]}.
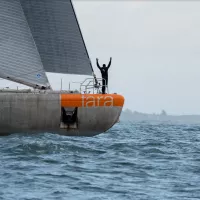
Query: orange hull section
{"points": [[91, 100]]}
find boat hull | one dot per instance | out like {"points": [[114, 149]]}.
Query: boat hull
{"points": [[66, 114]]}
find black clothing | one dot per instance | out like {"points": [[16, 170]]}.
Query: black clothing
{"points": [[104, 73], [104, 84]]}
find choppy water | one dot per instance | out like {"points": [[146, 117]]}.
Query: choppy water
{"points": [[131, 161]]}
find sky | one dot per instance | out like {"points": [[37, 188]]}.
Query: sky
{"points": [[155, 46]]}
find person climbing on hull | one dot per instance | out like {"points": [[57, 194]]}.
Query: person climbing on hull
{"points": [[104, 73]]}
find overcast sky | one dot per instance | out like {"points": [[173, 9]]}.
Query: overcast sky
{"points": [[155, 48]]}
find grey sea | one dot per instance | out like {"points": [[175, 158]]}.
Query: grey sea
{"points": [[133, 160]]}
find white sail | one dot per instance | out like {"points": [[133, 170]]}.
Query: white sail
{"points": [[19, 57], [57, 35]]}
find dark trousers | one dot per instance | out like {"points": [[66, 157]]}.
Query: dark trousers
{"points": [[104, 84]]}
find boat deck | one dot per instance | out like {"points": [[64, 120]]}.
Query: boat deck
{"points": [[39, 91]]}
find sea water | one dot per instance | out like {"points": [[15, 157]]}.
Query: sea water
{"points": [[133, 160]]}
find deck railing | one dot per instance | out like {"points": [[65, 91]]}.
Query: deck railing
{"points": [[91, 85], [88, 86]]}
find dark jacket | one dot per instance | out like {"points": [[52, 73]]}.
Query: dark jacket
{"points": [[104, 70]]}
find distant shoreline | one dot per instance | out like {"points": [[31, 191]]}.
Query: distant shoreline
{"points": [[128, 115]]}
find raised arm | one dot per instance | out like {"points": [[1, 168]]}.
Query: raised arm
{"points": [[109, 63], [98, 63]]}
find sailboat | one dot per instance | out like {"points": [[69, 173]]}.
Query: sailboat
{"points": [[44, 36]]}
